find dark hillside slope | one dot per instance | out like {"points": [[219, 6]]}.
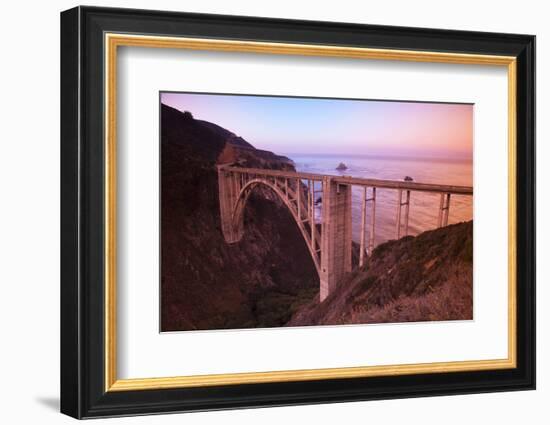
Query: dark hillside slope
{"points": [[427, 277], [206, 283]]}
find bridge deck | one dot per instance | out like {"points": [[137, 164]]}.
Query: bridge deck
{"points": [[358, 181]]}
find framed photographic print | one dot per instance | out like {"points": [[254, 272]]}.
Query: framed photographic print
{"points": [[261, 212]]}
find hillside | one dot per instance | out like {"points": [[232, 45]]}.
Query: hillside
{"points": [[206, 283], [428, 277]]}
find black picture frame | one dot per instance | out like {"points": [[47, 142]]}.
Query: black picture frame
{"points": [[83, 392]]}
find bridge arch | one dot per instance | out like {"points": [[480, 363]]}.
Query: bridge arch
{"points": [[330, 248], [237, 214]]}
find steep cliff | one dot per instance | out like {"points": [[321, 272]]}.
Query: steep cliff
{"points": [[206, 283]]}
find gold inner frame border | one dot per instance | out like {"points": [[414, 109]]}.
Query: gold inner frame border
{"points": [[111, 43]]}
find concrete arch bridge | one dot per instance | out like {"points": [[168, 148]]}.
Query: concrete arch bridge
{"points": [[329, 242]]}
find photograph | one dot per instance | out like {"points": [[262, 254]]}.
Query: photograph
{"points": [[283, 211]]}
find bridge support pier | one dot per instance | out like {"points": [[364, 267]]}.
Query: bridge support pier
{"points": [[229, 185], [335, 235]]}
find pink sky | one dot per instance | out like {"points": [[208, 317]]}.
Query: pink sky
{"points": [[303, 125]]}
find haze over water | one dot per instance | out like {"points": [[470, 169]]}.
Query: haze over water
{"points": [[423, 212]]}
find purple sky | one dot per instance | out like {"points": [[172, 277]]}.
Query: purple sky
{"points": [[287, 125]]}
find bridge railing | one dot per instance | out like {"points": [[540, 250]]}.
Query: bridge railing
{"points": [[357, 181]]}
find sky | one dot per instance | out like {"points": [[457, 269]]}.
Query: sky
{"points": [[287, 125]]}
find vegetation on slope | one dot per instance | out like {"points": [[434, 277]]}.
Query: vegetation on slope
{"points": [[428, 277]]}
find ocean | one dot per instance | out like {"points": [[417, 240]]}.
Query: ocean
{"points": [[423, 212]]}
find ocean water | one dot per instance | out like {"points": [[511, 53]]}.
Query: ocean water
{"points": [[423, 211]]}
